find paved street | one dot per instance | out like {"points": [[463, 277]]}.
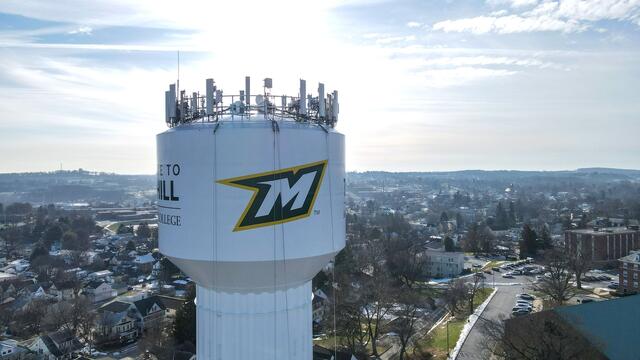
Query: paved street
{"points": [[499, 307]]}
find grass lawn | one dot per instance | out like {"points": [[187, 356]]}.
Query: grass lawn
{"points": [[493, 263], [436, 342], [481, 295]]}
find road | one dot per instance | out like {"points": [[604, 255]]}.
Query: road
{"points": [[499, 307]]}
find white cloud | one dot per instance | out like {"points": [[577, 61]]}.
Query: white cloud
{"points": [[486, 60], [513, 3], [508, 24], [502, 12], [85, 30], [414, 24], [440, 78], [566, 16]]}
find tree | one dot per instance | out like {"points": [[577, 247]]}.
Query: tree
{"points": [[512, 214], [479, 238], [459, 221], [557, 283], [528, 244], [51, 235], [350, 325], [444, 217], [167, 270], [131, 246], [454, 295], [553, 339], [125, 229], [579, 264], [31, 318], [448, 244], [184, 327], [143, 231], [544, 240], [502, 218], [476, 283], [406, 261], [408, 314], [70, 241]]}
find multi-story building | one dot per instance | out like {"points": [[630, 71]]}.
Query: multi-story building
{"points": [[602, 245], [629, 273], [442, 263]]}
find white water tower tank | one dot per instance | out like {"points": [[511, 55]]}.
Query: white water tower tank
{"points": [[251, 207]]}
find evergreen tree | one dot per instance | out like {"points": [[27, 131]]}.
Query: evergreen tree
{"points": [[70, 241], [502, 219], [131, 245], [544, 240], [459, 221], [448, 244], [184, 327], [512, 214], [51, 235], [444, 217], [143, 231], [529, 243]]}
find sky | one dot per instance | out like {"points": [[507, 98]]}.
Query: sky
{"points": [[424, 85]]}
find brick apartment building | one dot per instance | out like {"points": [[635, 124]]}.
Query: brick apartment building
{"points": [[603, 245], [629, 275]]}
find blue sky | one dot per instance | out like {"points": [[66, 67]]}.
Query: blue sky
{"points": [[424, 85]]}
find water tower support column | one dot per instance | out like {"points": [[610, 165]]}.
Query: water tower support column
{"points": [[254, 325]]}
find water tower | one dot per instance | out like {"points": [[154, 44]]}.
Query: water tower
{"points": [[251, 206]]}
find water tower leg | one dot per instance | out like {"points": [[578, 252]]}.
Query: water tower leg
{"points": [[275, 325]]}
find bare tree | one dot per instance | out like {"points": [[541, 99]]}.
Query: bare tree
{"points": [[350, 326], [554, 339], [579, 264], [454, 295], [557, 283], [405, 325], [59, 316], [83, 320], [473, 286]]}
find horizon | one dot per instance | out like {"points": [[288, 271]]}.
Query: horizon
{"points": [[589, 168]]}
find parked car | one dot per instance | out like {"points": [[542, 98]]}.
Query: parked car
{"points": [[525, 296], [495, 269], [585, 300], [507, 276], [613, 285], [519, 312], [487, 272], [603, 278]]}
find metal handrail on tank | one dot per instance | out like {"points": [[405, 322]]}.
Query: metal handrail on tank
{"points": [[212, 106]]}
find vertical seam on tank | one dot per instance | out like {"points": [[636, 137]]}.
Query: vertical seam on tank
{"points": [[333, 245], [275, 270], [284, 253], [214, 248]]}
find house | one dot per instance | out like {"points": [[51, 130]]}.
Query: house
{"points": [[442, 263], [57, 345], [98, 291], [100, 275], [9, 350], [116, 323], [144, 262], [150, 311], [63, 290]]}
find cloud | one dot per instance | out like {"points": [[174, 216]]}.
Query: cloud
{"points": [[84, 30], [414, 24], [508, 25], [440, 78], [486, 61], [513, 3], [568, 16]]}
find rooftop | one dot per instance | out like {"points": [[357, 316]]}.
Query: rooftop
{"points": [[604, 231]]}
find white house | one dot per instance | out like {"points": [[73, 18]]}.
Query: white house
{"points": [[441, 263], [98, 291]]}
